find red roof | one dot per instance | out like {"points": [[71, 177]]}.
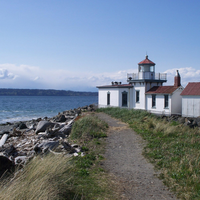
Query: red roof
{"points": [[146, 61], [192, 88], [161, 90]]}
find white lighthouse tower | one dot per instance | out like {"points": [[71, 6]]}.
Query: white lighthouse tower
{"points": [[142, 81]]}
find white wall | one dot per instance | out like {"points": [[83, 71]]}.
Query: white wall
{"points": [[190, 106], [114, 97], [141, 103], [129, 97], [176, 105], [160, 102], [143, 88]]}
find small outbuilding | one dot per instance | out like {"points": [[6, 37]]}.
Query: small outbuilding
{"points": [[191, 100], [165, 100]]}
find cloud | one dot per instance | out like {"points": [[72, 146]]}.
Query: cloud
{"points": [[4, 74], [24, 76], [188, 74]]}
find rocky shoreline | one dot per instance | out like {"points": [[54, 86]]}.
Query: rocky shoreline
{"points": [[187, 121], [21, 141]]}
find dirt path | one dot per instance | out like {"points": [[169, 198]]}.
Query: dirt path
{"points": [[124, 159]]}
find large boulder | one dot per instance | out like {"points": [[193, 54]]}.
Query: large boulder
{"points": [[43, 125], [5, 165]]}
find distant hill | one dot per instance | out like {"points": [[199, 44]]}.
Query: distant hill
{"points": [[39, 92]]}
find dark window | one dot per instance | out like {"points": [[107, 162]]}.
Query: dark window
{"points": [[153, 100], [108, 98], [137, 96], [124, 98], [166, 101]]}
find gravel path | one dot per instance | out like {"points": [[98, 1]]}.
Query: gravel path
{"points": [[125, 161]]}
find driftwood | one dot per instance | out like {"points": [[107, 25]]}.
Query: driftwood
{"points": [[3, 139], [17, 146]]}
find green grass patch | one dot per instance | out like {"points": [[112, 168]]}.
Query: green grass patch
{"points": [[88, 127], [172, 147]]}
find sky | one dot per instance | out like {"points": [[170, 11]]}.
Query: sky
{"points": [[80, 44]]}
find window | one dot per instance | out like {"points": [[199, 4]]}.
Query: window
{"points": [[108, 98], [166, 101], [152, 69], [137, 96], [153, 100], [124, 98]]}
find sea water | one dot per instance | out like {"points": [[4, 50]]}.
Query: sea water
{"points": [[22, 108]]}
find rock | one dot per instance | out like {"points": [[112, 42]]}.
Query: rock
{"points": [[194, 123], [43, 125], [7, 149], [5, 165], [66, 145], [74, 145], [4, 132], [31, 124], [61, 118], [85, 107], [22, 145], [181, 120], [22, 126], [67, 128], [45, 146], [198, 119], [187, 121], [21, 160], [75, 154], [89, 109]]}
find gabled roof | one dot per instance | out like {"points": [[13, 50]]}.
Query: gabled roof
{"points": [[161, 90], [192, 88], [116, 86], [146, 61]]}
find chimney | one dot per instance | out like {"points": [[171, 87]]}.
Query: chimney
{"points": [[177, 79]]}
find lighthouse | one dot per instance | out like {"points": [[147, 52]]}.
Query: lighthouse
{"points": [[145, 79], [144, 91], [146, 73]]}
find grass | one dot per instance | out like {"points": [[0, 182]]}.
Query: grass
{"points": [[172, 147], [61, 177], [44, 178]]}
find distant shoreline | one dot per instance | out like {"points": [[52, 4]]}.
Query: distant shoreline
{"points": [[42, 92]]}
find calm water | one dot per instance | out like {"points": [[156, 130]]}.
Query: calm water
{"points": [[21, 108]]}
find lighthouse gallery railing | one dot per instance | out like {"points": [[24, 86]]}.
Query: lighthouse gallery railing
{"points": [[147, 75]]}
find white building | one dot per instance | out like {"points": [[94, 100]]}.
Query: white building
{"points": [[191, 100], [115, 95], [165, 100], [137, 93]]}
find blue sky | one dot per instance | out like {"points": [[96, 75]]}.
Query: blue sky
{"points": [[79, 44]]}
